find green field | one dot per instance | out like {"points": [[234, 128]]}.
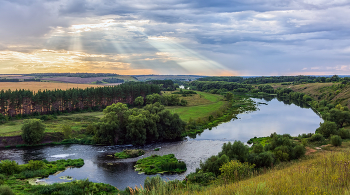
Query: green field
{"points": [[76, 121], [199, 106]]}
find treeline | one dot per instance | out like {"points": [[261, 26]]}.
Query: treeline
{"points": [[26, 102], [166, 85], [276, 79], [81, 75], [121, 125], [113, 80], [9, 80], [19, 80], [165, 99], [218, 87]]}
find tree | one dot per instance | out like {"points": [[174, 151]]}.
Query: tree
{"points": [[235, 151], [139, 101], [33, 131], [229, 96], [338, 116], [327, 128], [135, 130]]}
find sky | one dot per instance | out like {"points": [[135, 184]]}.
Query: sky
{"points": [[201, 37]]}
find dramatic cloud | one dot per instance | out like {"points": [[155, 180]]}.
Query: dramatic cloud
{"points": [[252, 37]]}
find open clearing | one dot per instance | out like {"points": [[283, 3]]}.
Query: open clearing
{"points": [[199, 106], [76, 121], [35, 86]]}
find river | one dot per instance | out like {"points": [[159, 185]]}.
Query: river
{"points": [[271, 116]]}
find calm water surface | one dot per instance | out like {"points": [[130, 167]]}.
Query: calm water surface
{"points": [[273, 117]]}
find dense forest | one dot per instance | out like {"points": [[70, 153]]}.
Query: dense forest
{"points": [[26, 102], [274, 79], [113, 80], [166, 85]]}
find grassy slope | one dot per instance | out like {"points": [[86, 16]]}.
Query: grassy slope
{"points": [[327, 91], [199, 105], [323, 173]]}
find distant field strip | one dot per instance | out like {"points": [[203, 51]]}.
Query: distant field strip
{"points": [[212, 103], [35, 86]]}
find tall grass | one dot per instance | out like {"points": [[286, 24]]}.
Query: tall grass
{"points": [[326, 173]]}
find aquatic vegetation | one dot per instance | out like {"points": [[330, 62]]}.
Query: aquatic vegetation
{"points": [[160, 164], [37, 168], [132, 153]]}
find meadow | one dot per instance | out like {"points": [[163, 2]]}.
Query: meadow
{"points": [[76, 121], [200, 105]]}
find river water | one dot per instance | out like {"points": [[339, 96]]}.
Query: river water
{"points": [[271, 116]]}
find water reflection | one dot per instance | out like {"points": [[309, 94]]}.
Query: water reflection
{"points": [[274, 115]]}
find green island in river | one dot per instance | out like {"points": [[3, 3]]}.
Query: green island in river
{"points": [[160, 164]]}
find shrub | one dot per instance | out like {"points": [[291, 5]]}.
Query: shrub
{"points": [[317, 138], [336, 140], [6, 190], [35, 165], [200, 177], [327, 128], [67, 131], [33, 131], [344, 133], [9, 167], [258, 148], [237, 151], [213, 164], [236, 171], [298, 151], [264, 159]]}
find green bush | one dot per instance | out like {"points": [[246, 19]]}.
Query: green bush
{"points": [[298, 151], [9, 167], [344, 133], [213, 164], [201, 178], [236, 171], [237, 150], [327, 129], [258, 148], [336, 140], [6, 190], [35, 165], [67, 131], [33, 131], [317, 138]]}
